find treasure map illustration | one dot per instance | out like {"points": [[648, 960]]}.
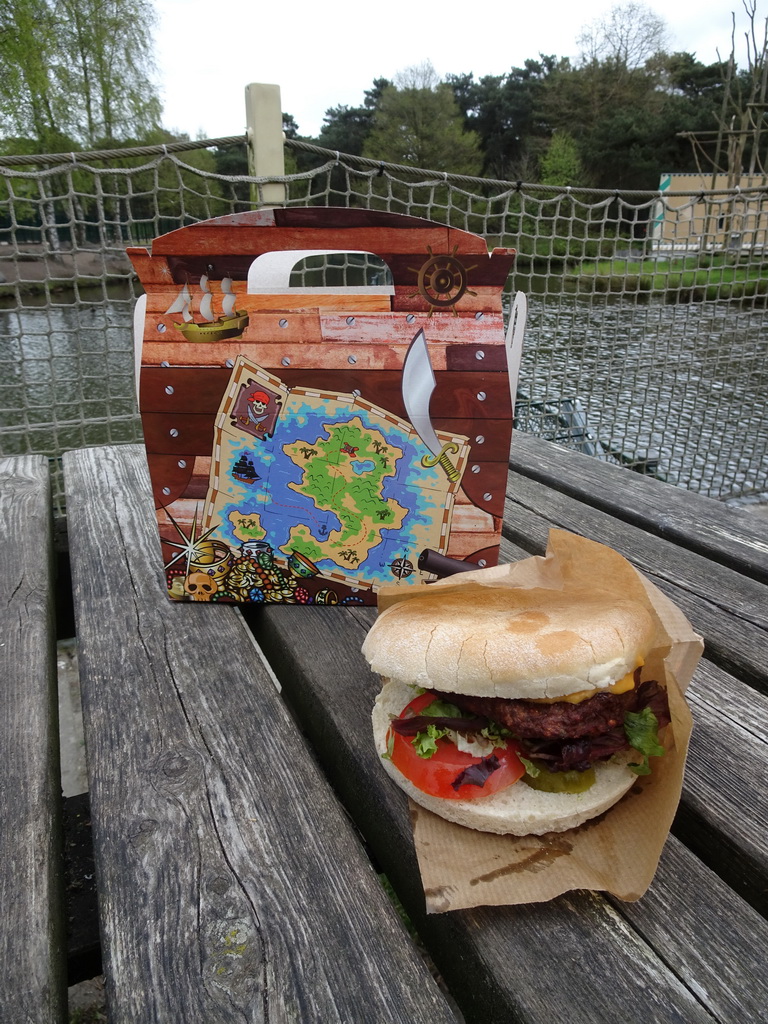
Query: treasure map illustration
{"points": [[326, 484]]}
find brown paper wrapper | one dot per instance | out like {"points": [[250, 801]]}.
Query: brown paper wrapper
{"points": [[617, 852]]}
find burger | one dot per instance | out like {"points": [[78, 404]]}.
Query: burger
{"points": [[512, 710]]}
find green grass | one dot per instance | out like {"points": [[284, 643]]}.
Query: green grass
{"points": [[693, 277]]}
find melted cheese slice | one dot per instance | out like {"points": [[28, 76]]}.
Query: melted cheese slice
{"points": [[627, 682]]}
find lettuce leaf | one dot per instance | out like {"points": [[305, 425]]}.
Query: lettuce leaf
{"points": [[387, 755], [425, 740], [642, 731], [530, 768], [496, 733], [425, 743], [442, 709]]}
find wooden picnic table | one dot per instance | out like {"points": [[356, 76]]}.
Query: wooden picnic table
{"points": [[242, 826]]}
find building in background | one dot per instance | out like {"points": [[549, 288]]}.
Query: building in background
{"points": [[691, 216]]}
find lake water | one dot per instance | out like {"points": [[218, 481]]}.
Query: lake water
{"points": [[685, 385], [67, 376]]}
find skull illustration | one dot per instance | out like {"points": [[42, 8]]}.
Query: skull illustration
{"points": [[200, 586]]}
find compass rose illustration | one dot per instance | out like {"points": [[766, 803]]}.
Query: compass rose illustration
{"points": [[401, 567]]}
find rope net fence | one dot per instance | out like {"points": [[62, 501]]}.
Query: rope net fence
{"points": [[645, 342]]}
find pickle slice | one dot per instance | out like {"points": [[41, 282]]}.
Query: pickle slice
{"points": [[560, 782]]}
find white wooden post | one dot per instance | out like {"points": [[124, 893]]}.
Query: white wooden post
{"points": [[264, 121]]}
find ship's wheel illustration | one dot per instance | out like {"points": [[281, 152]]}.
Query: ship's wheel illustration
{"points": [[442, 280], [401, 567]]}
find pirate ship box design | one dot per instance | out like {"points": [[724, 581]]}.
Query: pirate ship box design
{"points": [[325, 402]]}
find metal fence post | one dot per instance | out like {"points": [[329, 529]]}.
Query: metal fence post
{"points": [[264, 121]]}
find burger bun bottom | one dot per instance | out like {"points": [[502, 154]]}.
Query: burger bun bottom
{"points": [[518, 810]]}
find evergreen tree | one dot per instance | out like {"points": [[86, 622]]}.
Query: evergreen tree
{"points": [[561, 164], [347, 128], [507, 112], [418, 122]]}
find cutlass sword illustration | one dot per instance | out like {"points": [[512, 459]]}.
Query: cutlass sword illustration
{"points": [[514, 342], [417, 387]]}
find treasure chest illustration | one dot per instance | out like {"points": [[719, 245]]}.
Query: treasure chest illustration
{"points": [[325, 399]]}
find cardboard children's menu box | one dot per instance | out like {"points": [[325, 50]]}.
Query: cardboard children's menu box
{"points": [[325, 398]]}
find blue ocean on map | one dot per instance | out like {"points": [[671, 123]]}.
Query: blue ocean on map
{"points": [[272, 494]]}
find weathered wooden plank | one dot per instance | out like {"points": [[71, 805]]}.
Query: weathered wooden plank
{"points": [[171, 388], [729, 609], [354, 320], [727, 535], [724, 809], [275, 353], [705, 934], [509, 552], [230, 883], [482, 298], [32, 947], [523, 963], [330, 229], [276, 330], [726, 695]]}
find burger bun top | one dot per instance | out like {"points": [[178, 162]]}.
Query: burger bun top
{"points": [[509, 642]]}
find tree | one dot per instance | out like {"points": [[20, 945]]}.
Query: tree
{"points": [[692, 94], [741, 132], [418, 122], [507, 113], [107, 42], [733, 142], [561, 164], [31, 103], [606, 117], [346, 128], [625, 102], [629, 36], [626, 120], [77, 70], [682, 75]]}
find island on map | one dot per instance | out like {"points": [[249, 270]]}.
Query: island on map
{"points": [[344, 472]]}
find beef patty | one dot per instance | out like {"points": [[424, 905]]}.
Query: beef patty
{"points": [[561, 720], [570, 736]]}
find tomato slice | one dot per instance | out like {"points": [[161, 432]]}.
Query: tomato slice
{"points": [[435, 775]]}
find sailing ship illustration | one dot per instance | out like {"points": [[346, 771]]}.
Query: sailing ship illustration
{"points": [[229, 324], [245, 471]]}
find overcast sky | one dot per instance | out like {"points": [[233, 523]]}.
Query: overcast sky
{"points": [[324, 55]]}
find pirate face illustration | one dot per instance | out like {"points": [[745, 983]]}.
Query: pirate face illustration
{"points": [[256, 411], [256, 407]]}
